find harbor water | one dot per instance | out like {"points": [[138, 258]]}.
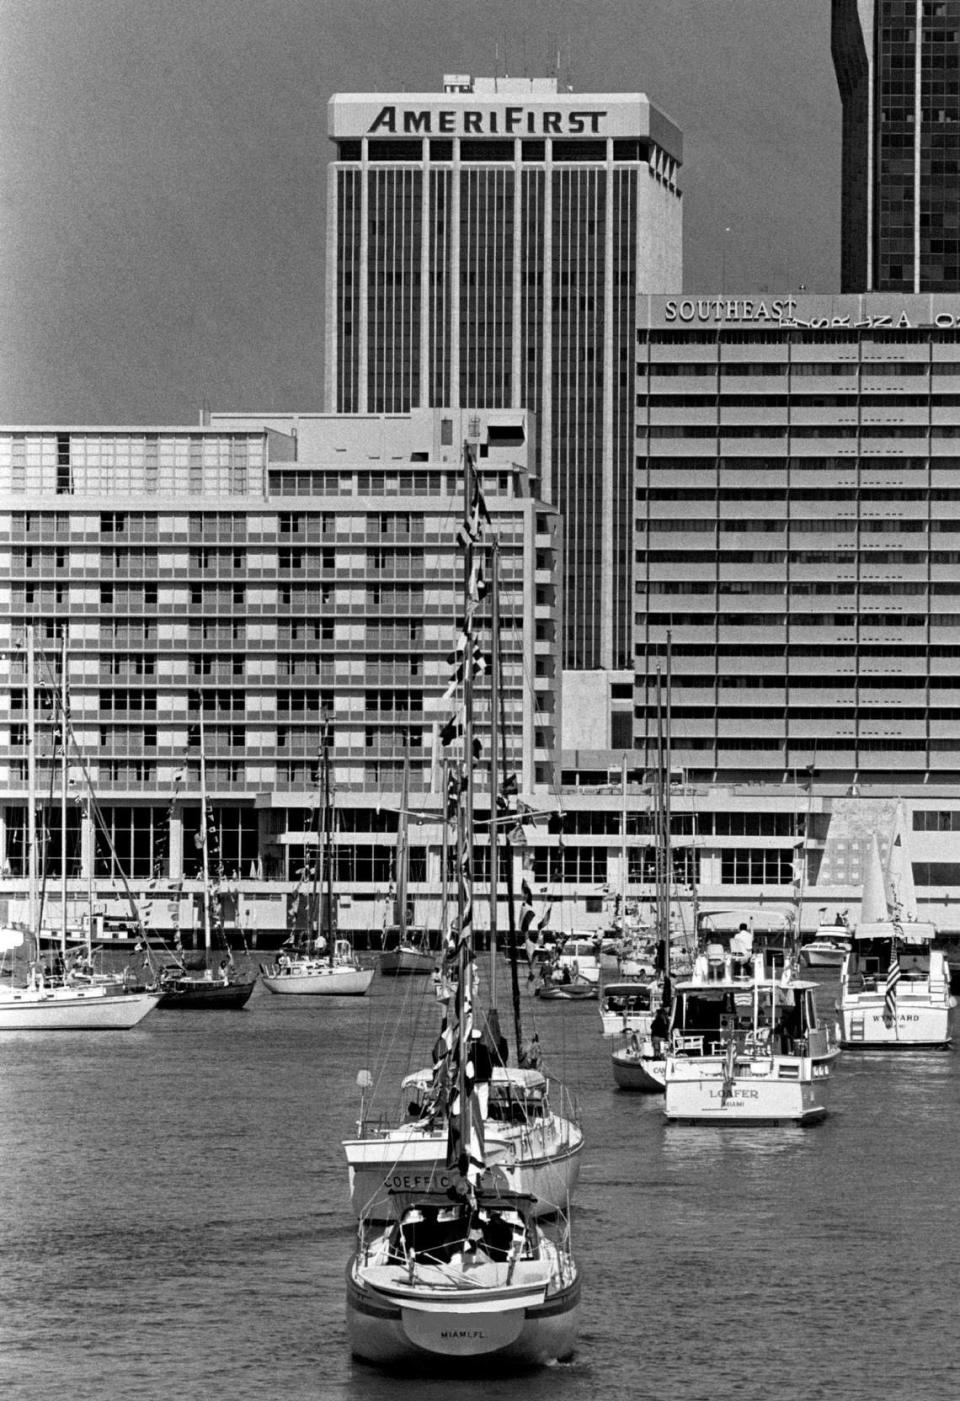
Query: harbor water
{"points": [[175, 1218]]}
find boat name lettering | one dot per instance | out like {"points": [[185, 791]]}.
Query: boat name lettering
{"points": [[737, 1095], [452, 121], [902, 1017], [419, 1181]]}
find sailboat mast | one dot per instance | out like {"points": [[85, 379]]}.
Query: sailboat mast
{"points": [[32, 789], [494, 761], [465, 840], [329, 930], [667, 762], [205, 874], [445, 863], [658, 827], [63, 796], [403, 828], [623, 847]]}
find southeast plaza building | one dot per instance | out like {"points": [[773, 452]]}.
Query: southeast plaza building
{"points": [[798, 554]]}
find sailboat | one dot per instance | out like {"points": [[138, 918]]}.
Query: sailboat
{"points": [[894, 985], [405, 950], [333, 969], [46, 1003], [463, 1273], [189, 989], [640, 1063]]}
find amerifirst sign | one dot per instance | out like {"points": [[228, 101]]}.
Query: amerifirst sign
{"points": [[491, 121], [559, 114]]}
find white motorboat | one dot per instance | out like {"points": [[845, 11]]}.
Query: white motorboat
{"points": [[580, 955], [536, 1151], [894, 985], [314, 975], [465, 1277], [894, 989], [742, 1043], [828, 947], [627, 1006]]}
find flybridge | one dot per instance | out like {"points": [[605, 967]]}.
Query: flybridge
{"points": [[487, 121]]}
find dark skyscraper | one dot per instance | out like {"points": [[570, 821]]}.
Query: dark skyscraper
{"points": [[898, 70]]}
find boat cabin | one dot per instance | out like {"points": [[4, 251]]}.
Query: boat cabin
{"points": [[625, 998], [870, 953], [763, 1018], [438, 1233]]}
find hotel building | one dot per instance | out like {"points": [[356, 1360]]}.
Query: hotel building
{"points": [[898, 71], [485, 246], [257, 574]]}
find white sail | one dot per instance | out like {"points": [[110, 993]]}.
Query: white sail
{"points": [[900, 891], [873, 901]]}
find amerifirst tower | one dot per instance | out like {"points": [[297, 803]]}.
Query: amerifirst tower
{"points": [[485, 249]]}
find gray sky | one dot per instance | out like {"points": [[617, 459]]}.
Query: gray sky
{"points": [[162, 171]]}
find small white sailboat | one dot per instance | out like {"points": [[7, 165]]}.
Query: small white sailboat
{"points": [[894, 986], [78, 1003], [536, 1150], [331, 969], [464, 1276]]}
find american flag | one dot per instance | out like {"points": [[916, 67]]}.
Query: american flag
{"points": [[890, 988]]}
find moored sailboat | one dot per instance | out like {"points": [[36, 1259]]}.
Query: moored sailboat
{"points": [[464, 1275], [330, 969], [81, 1002], [184, 987]]}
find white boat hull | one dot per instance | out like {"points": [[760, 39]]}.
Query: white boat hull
{"points": [[543, 1164], [822, 958], [92, 1008], [516, 1325], [762, 1090], [329, 982], [917, 1025]]}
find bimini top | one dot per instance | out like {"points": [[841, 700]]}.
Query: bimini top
{"points": [[519, 1079], [756, 919], [910, 931]]}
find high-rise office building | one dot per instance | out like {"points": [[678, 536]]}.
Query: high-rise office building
{"points": [[485, 246], [898, 70], [798, 536]]}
